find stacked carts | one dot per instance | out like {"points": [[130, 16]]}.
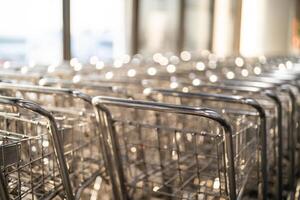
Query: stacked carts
{"points": [[191, 127]]}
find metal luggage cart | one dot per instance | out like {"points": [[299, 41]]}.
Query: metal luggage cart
{"points": [[82, 145], [32, 165], [153, 155]]}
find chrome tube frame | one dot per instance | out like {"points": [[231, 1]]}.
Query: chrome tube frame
{"points": [[54, 134], [282, 86], [3, 189], [100, 104], [276, 99], [64, 91], [268, 93], [237, 100]]}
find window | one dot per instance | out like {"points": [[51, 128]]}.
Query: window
{"points": [[31, 31], [198, 25], [158, 26], [97, 29]]}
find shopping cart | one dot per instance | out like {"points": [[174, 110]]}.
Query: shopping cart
{"points": [[194, 82], [237, 110], [83, 148], [287, 101], [31, 160], [154, 155], [287, 95], [273, 106]]}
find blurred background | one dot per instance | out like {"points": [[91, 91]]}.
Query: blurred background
{"points": [[50, 31]]}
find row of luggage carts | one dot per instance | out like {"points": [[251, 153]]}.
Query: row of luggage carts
{"points": [[192, 126]]}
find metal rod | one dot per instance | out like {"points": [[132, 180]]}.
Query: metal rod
{"points": [[276, 99], [237, 27], [135, 27], [66, 30], [181, 27], [3, 189], [57, 140], [211, 25], [292, 134]]}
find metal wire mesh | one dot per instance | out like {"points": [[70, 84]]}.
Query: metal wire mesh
{"points": [[28, 159], [164, 156], [151, 153], [81, 141]]}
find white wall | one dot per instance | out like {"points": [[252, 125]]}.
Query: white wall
{"points": [[223, 27], [266, 27]]}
